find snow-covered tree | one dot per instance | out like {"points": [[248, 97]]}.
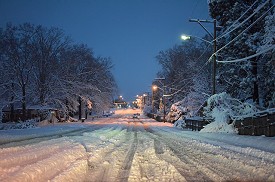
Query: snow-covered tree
{"points": [[179, 65], [187, 72], [17, 47], [41, 66], [242, 25], [224, 110], [267, 66], [48, 44]]}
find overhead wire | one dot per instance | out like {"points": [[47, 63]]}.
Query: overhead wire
{"points": [[249, 57], [242, 59], [198, 72], [240, 24], [229, 31], [242, 32]]}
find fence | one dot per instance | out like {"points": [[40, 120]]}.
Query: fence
{"points": [[196, 124], [258, 125], [263, 124]]}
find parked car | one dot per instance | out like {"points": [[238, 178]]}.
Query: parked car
{"points": [[135, 116], [107, 113]]}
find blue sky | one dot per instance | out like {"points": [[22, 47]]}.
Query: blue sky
{"points": [[130, 32]]}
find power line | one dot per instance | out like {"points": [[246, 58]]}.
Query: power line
{"points": [[249, 57], [199, 72], [242, 32], [226, 31]]}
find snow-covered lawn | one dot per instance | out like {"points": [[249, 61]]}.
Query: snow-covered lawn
{"points": [[121, 148]]}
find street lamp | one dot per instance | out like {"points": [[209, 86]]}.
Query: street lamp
{"points": [[188, 37], [154, 88], [185, 37], [144, 97]]}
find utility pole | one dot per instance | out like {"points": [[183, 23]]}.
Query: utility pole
{"points": [[144, 100], [163, 100], [214, 36], [214, 57]]}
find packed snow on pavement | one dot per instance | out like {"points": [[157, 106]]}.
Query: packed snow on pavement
{"points": [[123, 148]]}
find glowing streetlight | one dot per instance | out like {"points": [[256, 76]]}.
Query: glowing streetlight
{"points": [[188, 37], [185, 37], [154, 87]]}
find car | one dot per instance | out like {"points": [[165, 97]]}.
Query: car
{"points": [[135, 116], [107, 113]]}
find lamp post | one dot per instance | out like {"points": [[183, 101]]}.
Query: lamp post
{"points": [[154, 88], [144, 100], [214, 36]]}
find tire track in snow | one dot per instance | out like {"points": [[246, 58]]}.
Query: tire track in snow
{"points": [[216, 162], [146, 166], [124, 172], [165, 152], [106, 157], [45, 167], [267, 156]]}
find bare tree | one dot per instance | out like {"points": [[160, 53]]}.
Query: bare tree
{"points": [[48, 45], [41, 66], [18, 47]]}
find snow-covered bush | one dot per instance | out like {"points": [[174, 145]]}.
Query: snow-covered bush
{"points": [[224, 109], [31, 123], [176, 111], [147, 109], [187, 107], [180, 123]]}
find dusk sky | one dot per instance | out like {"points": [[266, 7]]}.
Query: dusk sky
{"points": [[130, 32]]}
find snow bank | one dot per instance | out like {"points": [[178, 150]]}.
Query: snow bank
{"points": [[224, 109], [64, 160], [219, 127]]}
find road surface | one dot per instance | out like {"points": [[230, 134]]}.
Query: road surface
{"points": [[121, 148]]}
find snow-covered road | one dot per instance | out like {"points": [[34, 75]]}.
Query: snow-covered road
{"points": [[125, 149]]}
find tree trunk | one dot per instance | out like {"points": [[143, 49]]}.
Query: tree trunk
{"points": [[255, 92], [23, 102], [12, 102]]}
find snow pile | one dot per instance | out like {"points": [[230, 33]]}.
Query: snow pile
{"points": [[224, 109], [221, 127]]}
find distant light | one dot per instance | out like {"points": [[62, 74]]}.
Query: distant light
{"points": [[154, 87], [185, 37]]}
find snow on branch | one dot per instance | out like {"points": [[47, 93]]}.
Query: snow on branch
{"points": [[224, 109]]}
